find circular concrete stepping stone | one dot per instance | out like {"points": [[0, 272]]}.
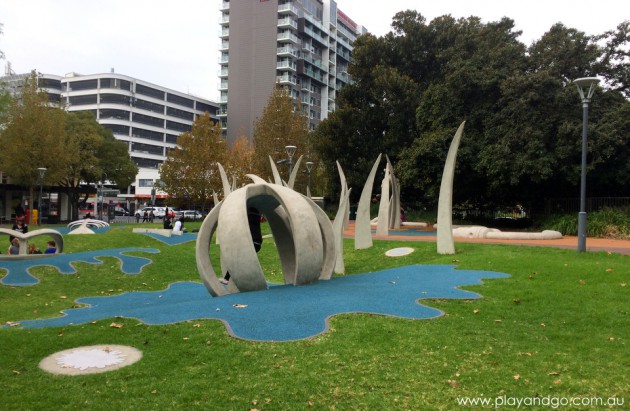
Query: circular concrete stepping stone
{"points": [[90, 359], [398, 252]]}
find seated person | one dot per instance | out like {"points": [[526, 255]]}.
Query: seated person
{"points": [[32, 249], [52, 248], [14, 249], [167, 223], [179, 225]]}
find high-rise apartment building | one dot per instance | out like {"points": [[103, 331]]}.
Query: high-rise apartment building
{"points": [[301, 45]]}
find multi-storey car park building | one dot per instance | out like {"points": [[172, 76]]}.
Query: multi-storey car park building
{"points": [[302, 45], [146, 116]]}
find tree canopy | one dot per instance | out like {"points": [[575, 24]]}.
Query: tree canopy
{"points": [[522, 141], [190, 171], [281, 124]]}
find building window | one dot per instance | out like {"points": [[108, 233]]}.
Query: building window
{"points": [[114, 114], [145, 182], [148, 134], [149, 91], [148, 120], [146, 162], [175, 112], [114, 99], [149, 106], [173, 125], [83, 85], [82, 100], [182, 101], [118, 129]]}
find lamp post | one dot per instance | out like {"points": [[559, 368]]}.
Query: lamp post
{"points": [[290, 152], [309, 169], [586, 88], [42, 173], [100, 214]]}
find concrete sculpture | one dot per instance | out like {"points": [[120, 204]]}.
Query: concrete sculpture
{"points": [[24, 238], [362, 229], [340, 221], [302, 232], [382, 226], [445, 242], [493, 233]]}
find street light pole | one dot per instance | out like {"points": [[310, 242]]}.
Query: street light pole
{"points": [[588, 84], [42, 172], [309, 168], [290, 152]]}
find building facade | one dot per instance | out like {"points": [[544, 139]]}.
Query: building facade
{"points": [[301, 45], [148, 117]]}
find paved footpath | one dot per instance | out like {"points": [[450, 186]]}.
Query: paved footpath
{"points": [[592, 244]]}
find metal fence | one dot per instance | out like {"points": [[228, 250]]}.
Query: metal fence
{"points": [[572, 205]]}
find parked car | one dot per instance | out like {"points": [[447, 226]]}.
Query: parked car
{"points": [[189, 215], [121, 211], [159, 212]]}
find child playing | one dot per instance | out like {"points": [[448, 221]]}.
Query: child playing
{"points": [[52, 248]]}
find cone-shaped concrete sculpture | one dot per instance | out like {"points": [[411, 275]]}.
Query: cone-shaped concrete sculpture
{"points": [[445, 242]]}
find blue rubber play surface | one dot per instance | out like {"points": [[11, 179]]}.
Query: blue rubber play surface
{"points": [[174, 239], [285, 312], [17, 271]]}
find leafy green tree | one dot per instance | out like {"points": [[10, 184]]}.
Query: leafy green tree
{"points": [[32, 137], [282, 123], [522, 140], [90, 153], [190, 170]]}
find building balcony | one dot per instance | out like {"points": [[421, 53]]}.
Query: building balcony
{"points": [[287, 78], [287, 22], [224, 19], [286, 65], [225, 45], [224, 33], [223, 99], [288, 36], [287, 51], [222, 112], [288, 8], [223, 72], [224, 59], [223, 85], [225, 6]]}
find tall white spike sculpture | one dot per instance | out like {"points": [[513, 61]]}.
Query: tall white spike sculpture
{"points": [[382, 226], [224, 181], [445, 242], [362, 228], [340, 218], [274, 170], [294, 173]]}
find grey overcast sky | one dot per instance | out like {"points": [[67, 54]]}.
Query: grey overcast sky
{"points": [[175, 44]]}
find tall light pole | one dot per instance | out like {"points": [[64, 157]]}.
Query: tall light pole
{"points": [[290, 152], [309, 169], [42, 173], [586, 88]]}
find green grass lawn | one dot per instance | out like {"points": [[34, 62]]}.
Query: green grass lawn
{"points": [[558, 327]]}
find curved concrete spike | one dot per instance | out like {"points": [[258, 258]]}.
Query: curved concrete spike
{"points": [[445, 242], [394, 205], [344, 190], [255, 179], [382, 225], [202, 253], [340, 267], [362, 228], [224, 180], [215, 198], [294, 173], [276, 176]]}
